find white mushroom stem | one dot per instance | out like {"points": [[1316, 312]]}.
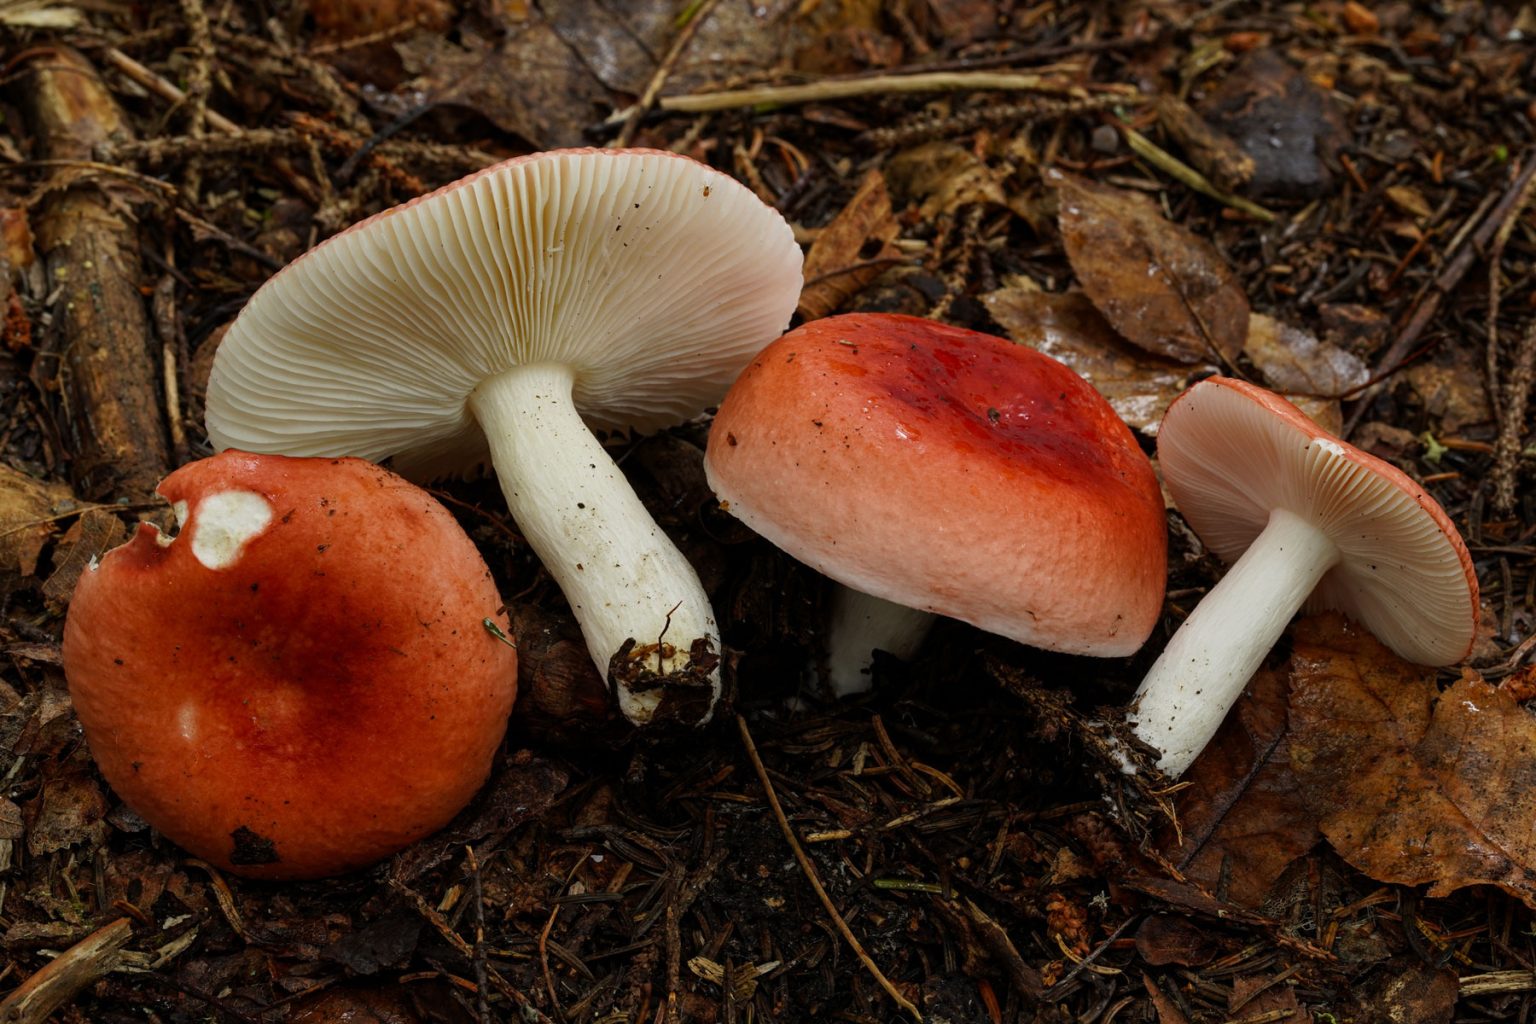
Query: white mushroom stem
{"points": [[1188, 691], [861, 624], [622, 576]]}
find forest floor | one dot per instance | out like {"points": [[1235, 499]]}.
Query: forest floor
{"points": [[1343, 191]]}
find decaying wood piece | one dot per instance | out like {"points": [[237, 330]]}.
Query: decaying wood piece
{"points": [[109, 414], [75, 968]]}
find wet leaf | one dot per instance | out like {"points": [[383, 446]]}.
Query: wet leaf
{"points": [[1158, 284], [851, 251], [1455, 394], [354, 1006], [1295, 362], [1068, 328], [1412, 785], [1243, 817]]}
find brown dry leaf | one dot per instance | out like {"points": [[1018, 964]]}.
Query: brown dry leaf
{"points": [[92, 535], [1412, 785], [1068, 328], [1294, 362], [70, 810], [529, 83], [1161, 286], [851, 251], [349, 19], [942, 177], [1254, 995], [1456, 395], [1165, 939], [26, 510], [1243, 817]]}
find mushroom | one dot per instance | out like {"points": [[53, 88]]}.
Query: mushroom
{"points": [[1304, 518], [496, 319], [304, 679], [948, 471]]}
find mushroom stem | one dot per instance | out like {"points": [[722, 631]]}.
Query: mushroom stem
{"points": [[861, 624], [623, 577], [1203, 670]]}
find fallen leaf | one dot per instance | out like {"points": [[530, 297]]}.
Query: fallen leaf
{"points": [[1254, 995], [1291, 128], [1407, 989], [942, 177], [851, 251], [528, 83], [1161, 286], [1454, 394], [70, 810], [1067, 327], [1411, 785], [348, 19], [1410, 200], [1165, 939], [93, 534], [1294, 362], [1213, 153], [355, 1006], [1243, 817], [26, 510]]}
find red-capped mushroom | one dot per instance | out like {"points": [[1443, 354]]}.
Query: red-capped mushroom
{"points": [[1304, 518], [303, 680], [950, 471]]}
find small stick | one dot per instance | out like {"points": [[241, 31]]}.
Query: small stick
{"points": [[850, 88], [69, 973], [810, 874], [1506, 450], [215, 120], [482, 979], [696, 17], [1176, 168], [1455, 268]]}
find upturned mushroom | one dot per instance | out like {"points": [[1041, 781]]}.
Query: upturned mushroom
{"points": [[948, 471], [303, 680], [1305, 519], [499, 319]]}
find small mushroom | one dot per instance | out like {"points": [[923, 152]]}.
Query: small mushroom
{"points": [[304, 679], [948, 471], [500, 317], [1304, 518]]}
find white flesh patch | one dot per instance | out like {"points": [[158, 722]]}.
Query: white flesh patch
{"points": [[226, 521]]}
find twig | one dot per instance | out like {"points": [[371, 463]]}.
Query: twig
{"points": [[697, 17], [482, 1006], [1468, 245], [70, 972], [1178, 169], [850, 88], [810, 874], [1506, 450], [215, 120]]}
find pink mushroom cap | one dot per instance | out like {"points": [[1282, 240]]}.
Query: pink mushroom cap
{"points": [[951, 471]]}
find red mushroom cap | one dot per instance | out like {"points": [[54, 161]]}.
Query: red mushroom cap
{"points": [[301, 682], [951, 471]]}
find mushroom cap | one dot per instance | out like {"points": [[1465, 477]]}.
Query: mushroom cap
{"points": [[300, 683], [949, 471], [1232, 452], [653, 275]]}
